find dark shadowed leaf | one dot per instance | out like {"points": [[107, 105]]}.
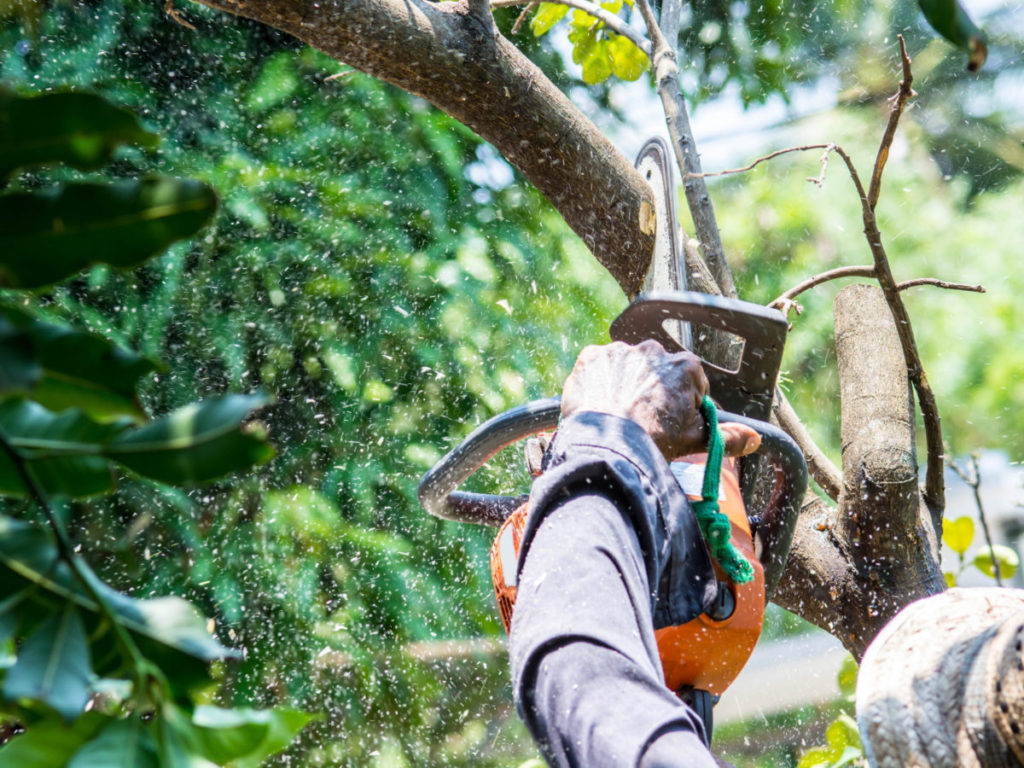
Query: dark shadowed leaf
{"points": [[121, 744], [195, 444], [49, 743], [19, 369], [62, 450], [53, 665], [50, 235], [949, 19], [78, 369], [79, 129]]}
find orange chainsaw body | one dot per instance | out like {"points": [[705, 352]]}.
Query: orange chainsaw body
{"points": [[703, 653]]}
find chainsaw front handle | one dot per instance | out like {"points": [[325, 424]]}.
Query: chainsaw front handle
{"points": [[773, 526]]}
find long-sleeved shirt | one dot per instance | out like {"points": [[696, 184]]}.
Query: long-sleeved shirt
{"points": [[611, 551]]}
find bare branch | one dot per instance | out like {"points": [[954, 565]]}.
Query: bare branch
{"points": [[666, 74], [760, 160], [899, 101], [523, 15], [175, 14], [824, 472], [824, 277], [615, 23], [940, 284]]}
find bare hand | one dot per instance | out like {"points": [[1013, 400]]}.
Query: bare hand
{"points": [[659, 391]]}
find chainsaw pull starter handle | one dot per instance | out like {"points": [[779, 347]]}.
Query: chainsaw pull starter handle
{"points": [[774, 524]]}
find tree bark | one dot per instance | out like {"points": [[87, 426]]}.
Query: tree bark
{"points": [[444, 53], [852, 569]]}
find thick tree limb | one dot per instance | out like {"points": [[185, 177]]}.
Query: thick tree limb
{"points": [[443, 53]]}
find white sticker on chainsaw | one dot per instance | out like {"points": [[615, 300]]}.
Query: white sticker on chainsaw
{"points": [[691, 479]]}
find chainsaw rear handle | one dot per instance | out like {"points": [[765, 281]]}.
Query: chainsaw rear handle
{"points": [[773, 532]]}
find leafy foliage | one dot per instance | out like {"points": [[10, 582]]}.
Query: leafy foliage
{"points": [[74, 630]]}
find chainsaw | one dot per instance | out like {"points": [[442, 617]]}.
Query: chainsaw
{"points": [[701, 658]]}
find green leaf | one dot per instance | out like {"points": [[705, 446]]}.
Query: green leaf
{"points": [[78, 369], [628, 61], [958, 534], [49, 743], [950, 578], [61, 450], [546, 17], [597, 63], [79, 129], [53, 665], [949, 19], [848, 676], [195, 444], [246, 736], [50, 235], [19, 369], [1005, 558], [121, 744], [166, 626]]}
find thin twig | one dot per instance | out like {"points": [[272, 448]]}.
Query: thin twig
{"points": [[899, 101], [940, 284], [973, 478], [615, 23], [175, 14], [523, 16], [666, 75], [758, 161], [340, 75]]}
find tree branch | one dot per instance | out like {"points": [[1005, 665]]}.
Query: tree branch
{"points": [[824, 472], [758, 161], [866, 270], [613, 22], [903, 95], [666, 74], [439, 51], [934, 487]]}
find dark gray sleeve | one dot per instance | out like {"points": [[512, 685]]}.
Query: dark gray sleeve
{"points": [[605, 541]]}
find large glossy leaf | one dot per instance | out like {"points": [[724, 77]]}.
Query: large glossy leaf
{"points": [[77, 369], [50, 235], [79, 129], [53, 665], [245, 737], [949, 19], [29, 557], [49, 743], [124, 743], [196, 443], [62, 450]]}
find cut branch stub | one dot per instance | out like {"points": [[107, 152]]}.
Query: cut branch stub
{"points": [[443, 53]]}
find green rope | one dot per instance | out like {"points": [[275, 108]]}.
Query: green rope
{"points": [[713, 523]]}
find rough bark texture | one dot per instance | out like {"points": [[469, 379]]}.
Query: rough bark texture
{"points": [[454, 58], [853, 569], [942, 686]]}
